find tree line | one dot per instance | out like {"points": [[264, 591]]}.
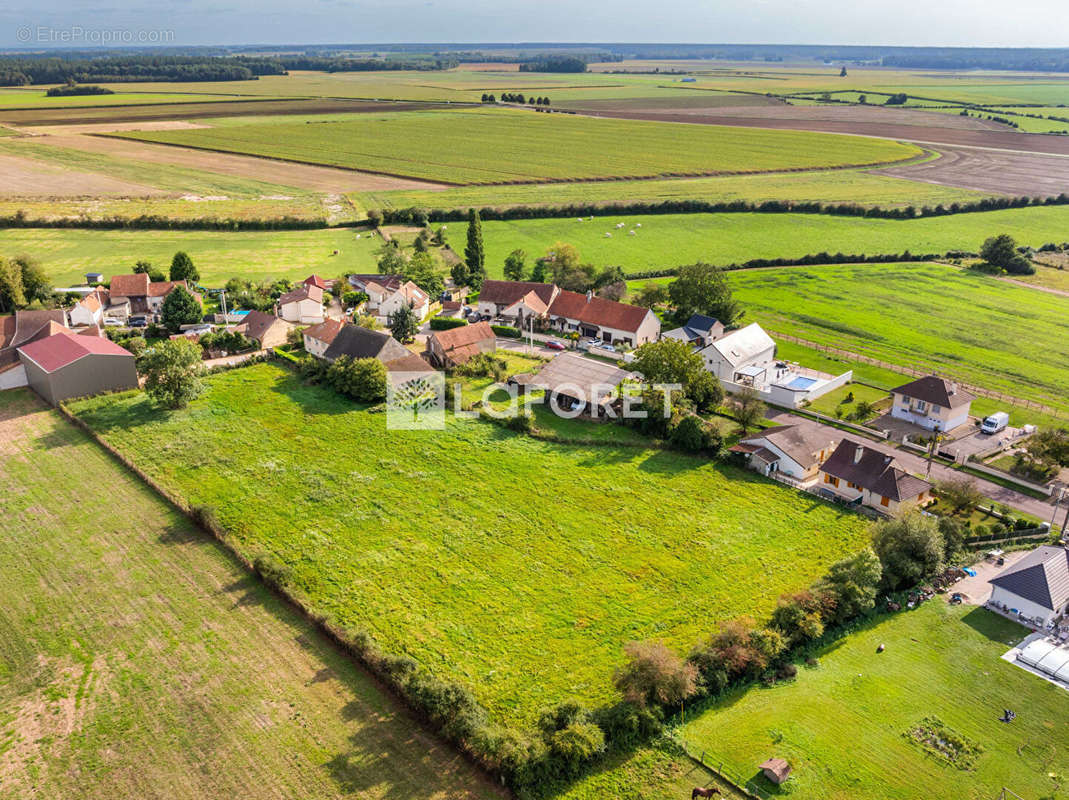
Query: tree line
{"points": [[26, 70]]}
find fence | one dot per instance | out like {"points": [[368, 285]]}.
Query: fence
{"points": [[746, 787], [920, 370]]}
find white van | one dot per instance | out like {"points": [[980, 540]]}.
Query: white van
{"points": [[995, 423]]}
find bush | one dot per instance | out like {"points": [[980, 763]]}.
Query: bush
{"points": [[506, 331], [274, 573], [655, 676], [521, 423], [447, 323]]}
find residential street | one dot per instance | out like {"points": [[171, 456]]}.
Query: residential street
{"points": [[915, 463]]}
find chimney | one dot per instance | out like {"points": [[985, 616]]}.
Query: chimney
{"points": [[589, 294], [858, 453], [953, 389]]}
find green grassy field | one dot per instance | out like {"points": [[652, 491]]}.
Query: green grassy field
{"points": [[843, 725], [517, 567], [36, 98], [673, 239], [976, 328], [840, 186], [488, 146], [68, 254], [138, 660]]}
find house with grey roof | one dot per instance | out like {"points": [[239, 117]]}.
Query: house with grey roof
{"points": [[1036, 587], [700, 331], [932, 402], [860, 475], [794, 450]]}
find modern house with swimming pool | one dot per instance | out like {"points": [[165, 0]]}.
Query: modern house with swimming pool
{"points": [[746, 359]]}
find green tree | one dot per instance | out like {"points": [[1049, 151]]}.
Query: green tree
{"points": [[747, 407], [403, 323], [651, 295], [851, 586], [422, 271], [910, 548], [154, 275], [459, 273], [692, 433], [474, 255], [35, 283], [171, 371], [12, 295], [960, 494], [362, 379], [179, 308], [391, 260], [798, 617], [702, 289], [673, 361], [374, 217], [182, 268], [515, 265], [1001, 251], [538, 272]]}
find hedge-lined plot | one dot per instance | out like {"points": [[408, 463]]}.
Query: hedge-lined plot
{"points": [[516, 567], [137, 660], [480, 147]]}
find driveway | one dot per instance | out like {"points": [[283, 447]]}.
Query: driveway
{"points": [[917, 464], [976, 588]]}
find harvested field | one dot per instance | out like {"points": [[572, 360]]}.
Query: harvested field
{"points": [[286, 173], [692, 100], [169, 111], [988, 170], [844, 120], [25, 177], [107, 127]]}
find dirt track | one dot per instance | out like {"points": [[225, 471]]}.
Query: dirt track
{"points": [[985, 170], [301, 176]]}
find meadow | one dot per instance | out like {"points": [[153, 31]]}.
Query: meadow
{"points": [[139, 660], [517, 567], [981, 330], [669, 240], [828, 186], [67, 255], [844, 724], [489, 146], [37, 98]]}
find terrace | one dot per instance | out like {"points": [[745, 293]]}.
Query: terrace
{"points": [[788, 383]]}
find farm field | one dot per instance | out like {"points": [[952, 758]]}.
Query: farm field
{"points": [[500, 146], [982, 330], [839, 186], [672, 239], [37, 98], [451, 560], [940, 662], [139, 660], [67, 255]]}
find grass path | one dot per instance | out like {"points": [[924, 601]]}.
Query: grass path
{"points": [[137, 660]]}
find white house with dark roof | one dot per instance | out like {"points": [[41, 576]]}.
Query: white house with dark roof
{"points": [[932, 403], [303, 305], [1037, 586], [794, 450], [743, 357]]}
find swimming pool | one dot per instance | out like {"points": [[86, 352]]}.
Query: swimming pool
{"points": [[801, 383]]}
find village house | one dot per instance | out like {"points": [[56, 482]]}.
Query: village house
{"points": [[303, 305], [21, 328], [515, 301], [932, 403], [387, 293], [743, 357], [1037, 586], [700, 331], [794, 450], [142, 295], [450, 348], [604, 320], [319, 337], [90, 309], [67, 364], [357, 342], [860, 475], [265, 329]]}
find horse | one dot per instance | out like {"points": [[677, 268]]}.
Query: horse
{"points": [[700, 791]]}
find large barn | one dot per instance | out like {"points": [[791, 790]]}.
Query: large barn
{"points": [[67, 365]]}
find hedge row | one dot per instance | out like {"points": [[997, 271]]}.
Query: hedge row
{"points": [[507, 331], [157, 222], [405, 216], [807, 260], [445, 323]]}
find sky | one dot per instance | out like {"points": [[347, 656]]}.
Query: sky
{"points": [[968, 23]]}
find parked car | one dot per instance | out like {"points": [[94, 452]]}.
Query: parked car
{"points": [[553, 344], [138, 322], [586, 344], [113, 322], [608, 347]]}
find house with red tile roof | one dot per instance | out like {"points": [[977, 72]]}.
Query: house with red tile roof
{"points": [[303, 305], [90, 309], [315, 280], [143, 295], [66, 365], [604, 320], [319, 337], [455, 346]]}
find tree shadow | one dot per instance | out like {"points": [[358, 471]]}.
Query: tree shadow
{"points": [[55, 438], [314, 400], [249, 591], [181, 531]]}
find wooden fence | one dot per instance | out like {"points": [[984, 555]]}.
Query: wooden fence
{"points": [[716, 766], [919, 369]]}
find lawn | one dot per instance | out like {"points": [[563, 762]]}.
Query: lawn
{"points": [[844, 724], [669, 240], [489, 146], [984, 331], [68, 254], [860, 392], [138, 660], [515, 566], [838, 186]]}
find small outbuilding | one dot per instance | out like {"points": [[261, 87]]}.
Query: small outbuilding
{"points": [[68, 365], [776, 770], [575, 383]]}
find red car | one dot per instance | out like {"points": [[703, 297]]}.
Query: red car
{"points": [[553, 344]]}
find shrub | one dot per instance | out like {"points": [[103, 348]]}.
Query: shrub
{"points": [[446, 323], [521, 423], [506, 331], [275, 573], [910, 548], [655, 676]]}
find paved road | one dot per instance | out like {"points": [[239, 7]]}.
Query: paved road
{"points": [[915, 463]]}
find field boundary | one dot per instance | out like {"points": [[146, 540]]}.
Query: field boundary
{"points": [[920, 370], [746, 788]]}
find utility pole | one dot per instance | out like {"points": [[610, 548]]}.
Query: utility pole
{"points": [[931, 449], [1054, 502], [226, 320]]}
